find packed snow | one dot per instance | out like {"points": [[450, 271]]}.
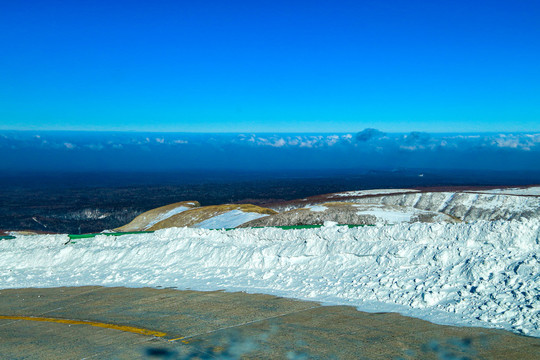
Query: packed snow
{"points": [[374, 192], [229, 220], [481, 273], [166, 215]]}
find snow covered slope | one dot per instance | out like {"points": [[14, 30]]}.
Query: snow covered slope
{"points": [[228, 220], [351, 213], [481, 273], [364, 207], [464, 205]]}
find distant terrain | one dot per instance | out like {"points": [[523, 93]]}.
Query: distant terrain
{"points": [[364, 207], [93, 202]]}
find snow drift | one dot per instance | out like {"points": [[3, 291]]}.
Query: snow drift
{"points": [[481, 273]]}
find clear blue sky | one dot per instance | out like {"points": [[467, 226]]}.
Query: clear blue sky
{"points": [[279, 66]]}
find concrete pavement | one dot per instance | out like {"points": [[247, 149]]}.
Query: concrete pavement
{"points": [[143, 323]]}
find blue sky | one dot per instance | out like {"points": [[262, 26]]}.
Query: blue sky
{"points": [[270, 66]]}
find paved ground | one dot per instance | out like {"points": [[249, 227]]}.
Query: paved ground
{"points": [[121, 323]]}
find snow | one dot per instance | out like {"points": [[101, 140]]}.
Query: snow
{"points": [[374, 192], [479, 274], [228, 220], [388, 216], [531, 191], [317, 208], [166, 215]]}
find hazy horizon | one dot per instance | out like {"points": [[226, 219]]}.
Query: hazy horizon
{"points": [[369, 149]]}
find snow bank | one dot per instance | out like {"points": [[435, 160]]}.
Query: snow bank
{"points": [[229, 220], [482, 273]]}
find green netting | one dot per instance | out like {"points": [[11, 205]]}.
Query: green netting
{"points": [[85, 236], [292, 227], [7, 237]]}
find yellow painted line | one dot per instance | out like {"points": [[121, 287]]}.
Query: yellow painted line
{"points": [[130, 329], [180, 338]]}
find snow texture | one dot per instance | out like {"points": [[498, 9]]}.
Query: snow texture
{"points": [[229, 220], [481, 273]]}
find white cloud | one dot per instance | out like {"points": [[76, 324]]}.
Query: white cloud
{"points": [[523, 142], [332, 140], [278, 143]]}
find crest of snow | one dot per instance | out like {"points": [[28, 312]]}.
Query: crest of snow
{"points": [[166, 215], [534, 191], [317, 208], [481, 273], [374, 192], [228, 220]]}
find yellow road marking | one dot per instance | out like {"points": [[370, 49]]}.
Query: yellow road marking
{"points": [[180, 338], [85, 322]]}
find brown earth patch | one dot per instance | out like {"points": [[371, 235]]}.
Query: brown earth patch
{"points": [[143, 221], [192, 217]]}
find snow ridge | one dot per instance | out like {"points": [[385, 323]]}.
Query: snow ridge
{"points": [[481, 273]]}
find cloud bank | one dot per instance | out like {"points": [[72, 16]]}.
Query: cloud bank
{"points": [[366, 149]]}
